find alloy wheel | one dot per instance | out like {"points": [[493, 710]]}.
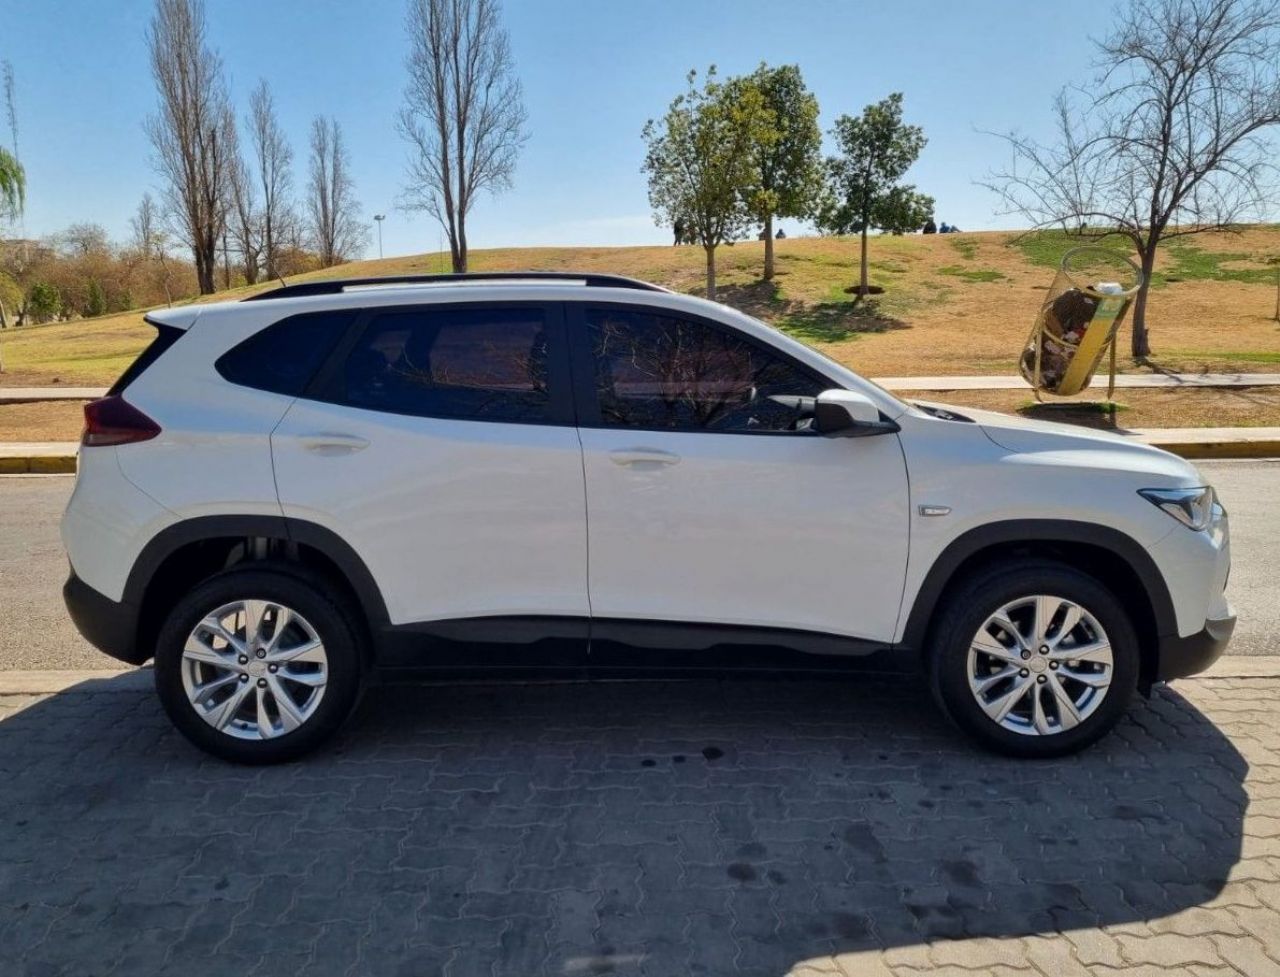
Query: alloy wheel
{"points": [[1040, 665], [254, 669]]}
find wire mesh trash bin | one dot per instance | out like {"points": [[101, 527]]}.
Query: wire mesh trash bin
{"points": [[1078, 321]]}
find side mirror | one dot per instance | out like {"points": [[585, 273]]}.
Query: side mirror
{"points": [[847, 414]]}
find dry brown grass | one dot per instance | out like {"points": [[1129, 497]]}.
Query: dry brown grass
{"points": [[52, 421], [1159, 407], [954, 304]]}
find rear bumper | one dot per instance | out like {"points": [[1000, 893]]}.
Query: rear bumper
{"points": [[1180, 657], [108, 625]]}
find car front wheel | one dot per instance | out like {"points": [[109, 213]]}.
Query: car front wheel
{"points": [[258, 665], [1034, 659]]}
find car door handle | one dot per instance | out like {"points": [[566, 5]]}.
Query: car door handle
{"points": [[643, 456], [333, 444]]}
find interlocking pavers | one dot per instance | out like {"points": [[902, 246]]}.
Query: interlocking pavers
{"points": [[752, 827]]}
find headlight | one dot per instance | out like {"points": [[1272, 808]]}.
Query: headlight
{"points": [[1193, 507]]}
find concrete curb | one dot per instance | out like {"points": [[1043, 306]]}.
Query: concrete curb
{"points": [[59, 681], [54, 681], [38, 465]]}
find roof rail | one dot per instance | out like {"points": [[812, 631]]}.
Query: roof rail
{"points": [[335, 286]]}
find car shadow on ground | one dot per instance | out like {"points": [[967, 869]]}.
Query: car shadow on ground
{"points": [[705, 826]]}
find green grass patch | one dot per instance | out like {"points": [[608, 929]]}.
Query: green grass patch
{"points": [[968, 249], [972, 274], [1046, 248], [1250, 356], [1186, 262]]}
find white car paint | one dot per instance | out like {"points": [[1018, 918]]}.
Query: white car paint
{"points": [[465, 518], [453, 518]]}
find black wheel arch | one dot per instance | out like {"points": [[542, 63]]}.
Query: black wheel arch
{"points": [[1114, 557], [146, 584]]}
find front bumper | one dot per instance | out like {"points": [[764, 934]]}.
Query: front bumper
{"points": [[1180, 657], [108, 625]]}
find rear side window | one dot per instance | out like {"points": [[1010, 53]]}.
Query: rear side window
{"points": [[285, 356], [472, 363]]}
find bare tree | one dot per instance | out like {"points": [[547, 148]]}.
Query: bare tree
{"points": [[145, 224], [1170, 139], [244, 223], [274, 161], [463, 115], [336, 228], [193, 132]]}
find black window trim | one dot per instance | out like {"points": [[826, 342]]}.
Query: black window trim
{"points": [[584, 388], [326, 386]]}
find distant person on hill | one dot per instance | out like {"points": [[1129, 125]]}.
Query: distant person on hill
{"points": [[781, 235], [929, 227], [679, 229], [954, 230], [944, 229]]}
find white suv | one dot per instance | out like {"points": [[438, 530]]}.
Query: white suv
{"points": [[285, 493]]}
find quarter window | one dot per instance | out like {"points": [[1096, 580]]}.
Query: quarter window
{"points": [[283, 357], [481, 364], [658, 371]]}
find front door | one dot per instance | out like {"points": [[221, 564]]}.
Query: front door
{"points": [[441, 446], [708, 498]]}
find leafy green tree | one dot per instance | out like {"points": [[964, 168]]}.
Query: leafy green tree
{"points": [[699, 162], [786, 163], [863, 188], [95, 303], [13, 185], [43, 302]]}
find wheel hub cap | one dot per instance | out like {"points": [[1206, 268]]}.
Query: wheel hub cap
{"points": [[254, 669], [1040, 665]]}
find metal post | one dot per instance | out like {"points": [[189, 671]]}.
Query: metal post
{"points": [[379, 218]]}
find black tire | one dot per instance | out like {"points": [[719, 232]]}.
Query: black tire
{"points": [[968, 606], [334, 621]]}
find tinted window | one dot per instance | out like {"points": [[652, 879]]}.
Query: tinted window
{"points": [[484, 364], [284, 357], [658, 371]]}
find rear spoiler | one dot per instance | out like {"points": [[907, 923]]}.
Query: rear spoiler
{"points": [[180, 318]]}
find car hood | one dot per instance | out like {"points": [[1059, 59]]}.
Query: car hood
{"points": [[1049, 443]]}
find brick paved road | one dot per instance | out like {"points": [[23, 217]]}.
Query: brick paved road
{"points": [[746, 827]]}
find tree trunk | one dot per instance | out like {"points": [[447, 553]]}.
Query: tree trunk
{"points": [[768, 248], [862, 275], [205, 271], [1140, 341], [460, 259], [711, 271]]}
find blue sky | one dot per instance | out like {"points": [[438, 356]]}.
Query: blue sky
{"points": [[593, 72]]}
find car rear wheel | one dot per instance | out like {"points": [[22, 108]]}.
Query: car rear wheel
{"points": [[1034, 659], [259, 665]]}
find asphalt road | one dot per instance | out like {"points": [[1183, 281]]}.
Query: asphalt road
{"points": [[35, 631]]}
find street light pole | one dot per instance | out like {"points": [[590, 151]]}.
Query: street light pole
{"points": [[379, 218]]}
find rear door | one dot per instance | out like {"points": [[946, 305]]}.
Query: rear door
{"points": [[440, 443], [710, 500]]}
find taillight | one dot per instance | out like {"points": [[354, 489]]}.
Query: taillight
{"points": [[113, 420]]}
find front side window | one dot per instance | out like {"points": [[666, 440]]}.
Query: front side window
{"points": [[659, 371], [478, 364]]}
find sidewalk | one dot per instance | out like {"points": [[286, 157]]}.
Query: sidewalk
{"points": [[23, 395], [59, 457]]}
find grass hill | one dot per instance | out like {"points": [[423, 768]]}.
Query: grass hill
{"points": [[953, 304]]}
